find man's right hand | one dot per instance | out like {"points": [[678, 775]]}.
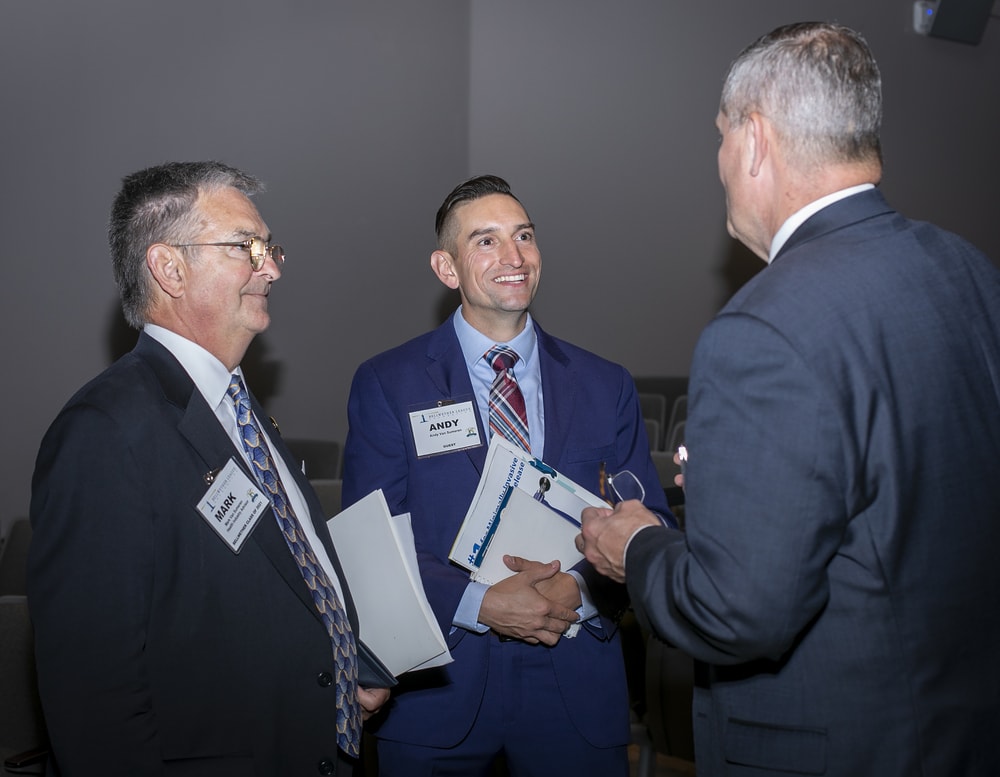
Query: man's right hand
{"points": [[514, 607]]}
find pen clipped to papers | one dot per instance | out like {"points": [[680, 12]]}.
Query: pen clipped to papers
{"points": [[522, 507]]}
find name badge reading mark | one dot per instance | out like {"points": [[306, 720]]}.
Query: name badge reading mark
{"points": [[232, 505]]}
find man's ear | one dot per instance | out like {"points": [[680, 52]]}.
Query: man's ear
{"points": [[757, 140], [168, 268], [444, 268]]}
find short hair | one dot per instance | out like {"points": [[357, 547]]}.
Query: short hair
{"points": [[467, 191], [820, 87], [156, 205]]}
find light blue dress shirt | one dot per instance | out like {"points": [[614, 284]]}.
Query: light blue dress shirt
{"points": [[528, 374]]}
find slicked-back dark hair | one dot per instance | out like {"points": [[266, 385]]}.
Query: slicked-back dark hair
{"points": [[156, 205], [473, 189]]}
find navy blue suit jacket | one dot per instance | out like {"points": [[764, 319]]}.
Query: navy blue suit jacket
{"points": [[839, 574], [158, 648], [592, 415]]}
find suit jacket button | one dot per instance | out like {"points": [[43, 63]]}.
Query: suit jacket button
{"points": [[326, 766], [324, 679]]}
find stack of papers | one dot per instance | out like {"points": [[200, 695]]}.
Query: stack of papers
{"points": [[522, 507], [395, 620]]}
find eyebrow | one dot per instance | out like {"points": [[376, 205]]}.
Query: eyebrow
{"points": [[248, 233], [493, 229]]}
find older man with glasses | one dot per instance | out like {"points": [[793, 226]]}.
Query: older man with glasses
{"points": [[190, 611]]}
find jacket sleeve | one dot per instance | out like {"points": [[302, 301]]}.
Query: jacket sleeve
{"points": [[764, 503]]}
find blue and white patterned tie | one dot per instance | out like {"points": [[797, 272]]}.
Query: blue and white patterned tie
{"points": [[324, 596], [508, 416]]}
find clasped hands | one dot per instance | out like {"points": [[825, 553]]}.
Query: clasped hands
{"points": [[537, 604]]}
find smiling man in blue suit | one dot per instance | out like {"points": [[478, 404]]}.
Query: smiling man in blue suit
{"points": [[839, 575], [524, 684]]}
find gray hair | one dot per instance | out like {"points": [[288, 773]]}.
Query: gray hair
{"points": [[156, 205], [818, 84]]}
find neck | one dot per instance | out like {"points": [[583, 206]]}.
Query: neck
{"points": [[501, 327], [810, 185]]}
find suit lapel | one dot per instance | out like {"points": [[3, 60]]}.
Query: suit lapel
{"points": [[558, 396], [447, 371], [201, 428]]}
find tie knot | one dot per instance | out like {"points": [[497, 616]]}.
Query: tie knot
{"points": [[237, 392], [501, 357]]}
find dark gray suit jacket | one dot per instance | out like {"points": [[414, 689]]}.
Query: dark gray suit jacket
{"points": [[159, 649], [840, 572]]}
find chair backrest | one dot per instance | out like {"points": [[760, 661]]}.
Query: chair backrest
{"points": [[654, 407], [665, 467], [670, 386], [653, 433], [320, 458], [328, 490], [678, 414], [676, 438], [14, 558], [22, 727]]}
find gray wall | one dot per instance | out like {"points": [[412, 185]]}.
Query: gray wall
{"points": [[362, 115]]}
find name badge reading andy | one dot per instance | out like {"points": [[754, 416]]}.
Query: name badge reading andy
{"points": [[446, 428], [232, 505]]}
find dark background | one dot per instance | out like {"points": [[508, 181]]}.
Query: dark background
{"points": [[362, 114]]}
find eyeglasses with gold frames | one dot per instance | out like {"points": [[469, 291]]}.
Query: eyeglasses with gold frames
{"points": [[257, 248]]}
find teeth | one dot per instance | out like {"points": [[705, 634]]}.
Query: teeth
{"points": [[509, 278]]}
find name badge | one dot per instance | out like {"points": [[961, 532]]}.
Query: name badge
{"points": [[232, 505], [444, 429]]}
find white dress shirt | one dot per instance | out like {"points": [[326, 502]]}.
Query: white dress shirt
{"points": [[211, 378]]}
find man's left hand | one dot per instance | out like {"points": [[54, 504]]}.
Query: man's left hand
{"points": [[371, 700], [561, 588]]}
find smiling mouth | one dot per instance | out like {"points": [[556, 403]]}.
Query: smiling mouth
{"points": [[510, 278]]}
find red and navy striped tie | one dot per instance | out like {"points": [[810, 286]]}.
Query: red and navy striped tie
{"points": [[507, 414]]}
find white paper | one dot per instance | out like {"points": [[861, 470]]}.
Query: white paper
{"points": [[379, 558], [510, 467], [528, 529]]}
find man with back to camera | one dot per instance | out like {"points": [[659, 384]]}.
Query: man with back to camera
{"points": [[176, 633], [548, 703], [839, 575]]}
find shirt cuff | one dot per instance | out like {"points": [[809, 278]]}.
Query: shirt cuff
{"points": [[632, 537], [587, 609], [467, 614]]}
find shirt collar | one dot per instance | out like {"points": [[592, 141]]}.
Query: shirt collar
{"points": [[209, 375], [800, 216], [474, 343]]}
